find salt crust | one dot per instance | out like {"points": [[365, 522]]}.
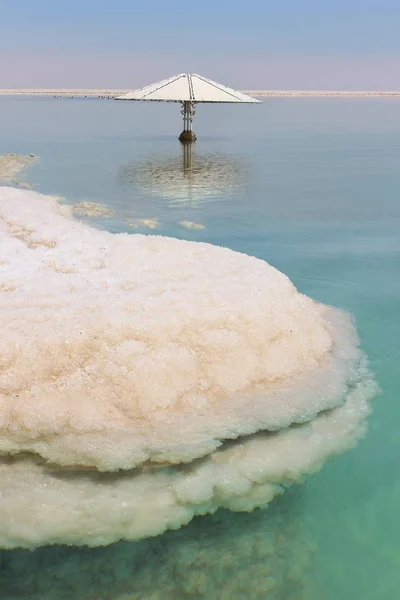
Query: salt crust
{"points": [[11, 166], [191, 225], [50, 506], [122, 351], [92, 209]]}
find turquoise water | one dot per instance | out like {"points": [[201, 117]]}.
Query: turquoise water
{"points": [[313, 187]]}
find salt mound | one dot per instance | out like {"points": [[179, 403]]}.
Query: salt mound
{"points": [[146, 354]]}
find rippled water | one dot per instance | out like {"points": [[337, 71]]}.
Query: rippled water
{"points": [[313, 187]]}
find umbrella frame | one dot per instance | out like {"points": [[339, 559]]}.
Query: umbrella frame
{"points": [[188, 112]]}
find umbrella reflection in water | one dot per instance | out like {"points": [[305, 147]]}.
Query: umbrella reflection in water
{"points": [[191, 178]]}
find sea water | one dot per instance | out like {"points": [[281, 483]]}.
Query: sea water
{"points": [[312, 186]]}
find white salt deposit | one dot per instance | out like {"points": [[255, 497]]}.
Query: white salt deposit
{"points": [[191, 225], [92, 209], [119, 352], [258, 555], [148, 223], [11, 165], [49, 506]]}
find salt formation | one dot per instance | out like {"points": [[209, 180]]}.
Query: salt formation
{"points": [[149, 223], [145, 380], [92, 209], [11, 166], [191, 225], [226, 556]]}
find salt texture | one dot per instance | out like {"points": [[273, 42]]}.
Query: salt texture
{"points": [[11, 166], [92, 209], [191, 225], [145, 380]]}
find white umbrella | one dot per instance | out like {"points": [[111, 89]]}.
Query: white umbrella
{"points": [[189, 90]]}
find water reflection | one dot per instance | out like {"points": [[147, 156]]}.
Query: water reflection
{"points": [[191, 178]]}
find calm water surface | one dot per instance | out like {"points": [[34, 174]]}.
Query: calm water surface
{"points": [[313, 187]]}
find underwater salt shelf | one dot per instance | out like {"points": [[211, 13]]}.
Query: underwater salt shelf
{"points": [[226, 556], [146, 380]]}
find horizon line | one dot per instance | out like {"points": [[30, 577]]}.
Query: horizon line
{"points": [[264, 93]]}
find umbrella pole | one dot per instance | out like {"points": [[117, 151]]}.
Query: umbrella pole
{"points": [[187, 135]]}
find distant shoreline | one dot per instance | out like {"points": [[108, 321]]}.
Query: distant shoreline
{"points": [[112, 93]]}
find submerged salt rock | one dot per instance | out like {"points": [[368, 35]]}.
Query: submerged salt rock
{"points": [[191, 225], [92, 209], [143, 223], [11, 165], [250, 548], [121, 349]]}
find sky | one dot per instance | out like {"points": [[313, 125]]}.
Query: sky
{"points": [[246, 44]]}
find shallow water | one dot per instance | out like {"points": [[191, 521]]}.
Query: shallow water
{"points": [[312, 186]]}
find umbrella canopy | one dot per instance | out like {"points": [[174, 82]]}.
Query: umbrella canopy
{"points": [[187, 87], [189, 90]]}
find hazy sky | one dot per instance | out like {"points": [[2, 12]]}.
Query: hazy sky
{"points": [[266, 44]]}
